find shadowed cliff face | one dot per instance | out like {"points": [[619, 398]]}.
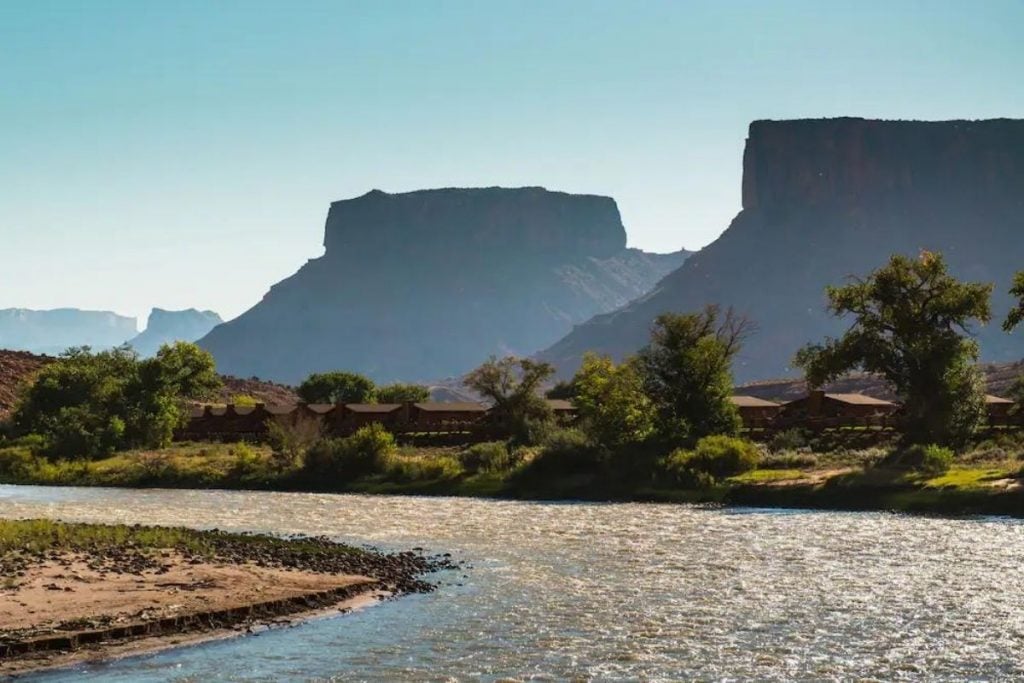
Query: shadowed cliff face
{"points": [[827, 199], [428, 284]]}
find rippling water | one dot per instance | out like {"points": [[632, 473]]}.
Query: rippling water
{"points": [[610, 591]]}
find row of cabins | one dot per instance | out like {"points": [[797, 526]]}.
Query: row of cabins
{"points": [[823, 410], [231, 422]]}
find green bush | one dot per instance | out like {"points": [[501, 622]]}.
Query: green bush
{"points": [[789, 440], [713, 458], [17, 463], [931, 459], [492, 456], [410, 469], [370, 450], [789, 461], [568, 451]]}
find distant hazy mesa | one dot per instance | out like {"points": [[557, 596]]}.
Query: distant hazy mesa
{"points": [[427, 284]]}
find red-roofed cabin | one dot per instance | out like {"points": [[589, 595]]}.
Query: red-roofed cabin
{"points": [[433, 414], [998, 408], [355, 415], [819, 404], [754, 410]]}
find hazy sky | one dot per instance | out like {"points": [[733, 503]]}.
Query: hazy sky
{"points": [[182, 154]]}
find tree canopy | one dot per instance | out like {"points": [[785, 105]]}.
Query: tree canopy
{"points": [[337, 387], [686, 371], [400, 393], [911, 322], [87, 404], [512, 385], [1016, 315], [610, 399]]}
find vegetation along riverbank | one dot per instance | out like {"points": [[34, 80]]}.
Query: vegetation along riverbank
{"points": [[659, 425], [73, 592]]}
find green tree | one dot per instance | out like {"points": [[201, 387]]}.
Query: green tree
{"points": [[613, 409], [512, 385], [87, 404], [565, 390], [1016, 315], [686, 371], [400, 393], [911, 323], [337, 387]]}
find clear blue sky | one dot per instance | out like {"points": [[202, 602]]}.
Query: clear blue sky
{"points": [[184, 153]]}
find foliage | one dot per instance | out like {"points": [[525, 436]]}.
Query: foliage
{"points": [[712, 459], [290, 437], [789, 440], [244, 401], [366, 452], [568, 451], [87, 405], [610, 399], [420, 469], [911, 319], [565, 390], [1016, 315], [337, 387], [512, 385], [928, 459], [402, 393], [686, 373], [492, 457], [788, 460]]}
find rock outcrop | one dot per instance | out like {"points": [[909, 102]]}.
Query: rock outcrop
{"points": [[428, 284], [53, 331], [827, 199], [171, 326]]}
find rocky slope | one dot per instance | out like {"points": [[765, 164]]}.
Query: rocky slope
{"points": [[53, 331], [826, 199], [428, 284], [170, 326]]}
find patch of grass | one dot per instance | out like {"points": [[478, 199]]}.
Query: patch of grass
{"points": [[968, 478], [765, 476]]}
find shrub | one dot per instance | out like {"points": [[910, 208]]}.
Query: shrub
{"points": [[568, 451], [17, 464], [290, 438], [931, 459], [368, 451], [492, 456], [409, 469], [713, 458], [789, 461], [789, 440]]}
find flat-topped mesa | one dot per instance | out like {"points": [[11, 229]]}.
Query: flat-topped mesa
{"points": [[492, 221], [850, 161]]}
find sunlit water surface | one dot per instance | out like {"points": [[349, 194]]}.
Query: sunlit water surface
{"points": [[609, 591]]}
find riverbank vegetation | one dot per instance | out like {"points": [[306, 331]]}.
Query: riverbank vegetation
{"points": [[656, 426]]}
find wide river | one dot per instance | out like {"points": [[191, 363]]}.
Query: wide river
{"points": [[609, 591]]}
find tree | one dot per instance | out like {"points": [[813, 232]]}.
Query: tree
{"points": [[1016, 315], [88, 405], [337, 387], [512, 385], [401, 393], [911, 323], [686, 371], [562, 390], [613, 409]]}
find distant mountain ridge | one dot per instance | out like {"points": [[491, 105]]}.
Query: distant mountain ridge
{"points": [[427, 284], [823, 200], [53, 331]]}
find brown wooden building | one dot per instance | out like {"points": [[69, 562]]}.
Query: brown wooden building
{"points": [[756, 411], [819, 404]]}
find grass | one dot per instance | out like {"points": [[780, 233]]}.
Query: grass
{"points": [[843, 478]]}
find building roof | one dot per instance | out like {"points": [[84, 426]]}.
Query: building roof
{"points": [[560, 404], [752, 402], [859, 400], [320, 408], [279, 408], [990, 399], [373, 407], [464, 407]]}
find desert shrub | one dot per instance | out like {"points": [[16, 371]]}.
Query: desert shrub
{"points": [[492, 456], [366, 452], [931, 459], [409, 469], [17, 463], [244, 401], [247, 462], [789, 460], [290, 438], [713, 458], [789, 440]]}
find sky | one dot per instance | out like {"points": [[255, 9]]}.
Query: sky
{"points": [[184, 154]]}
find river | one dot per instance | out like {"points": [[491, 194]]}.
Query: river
{"points": [[581, 591]]}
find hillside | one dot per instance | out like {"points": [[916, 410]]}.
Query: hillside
{"points": [[428, 284], [827, 199]]}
